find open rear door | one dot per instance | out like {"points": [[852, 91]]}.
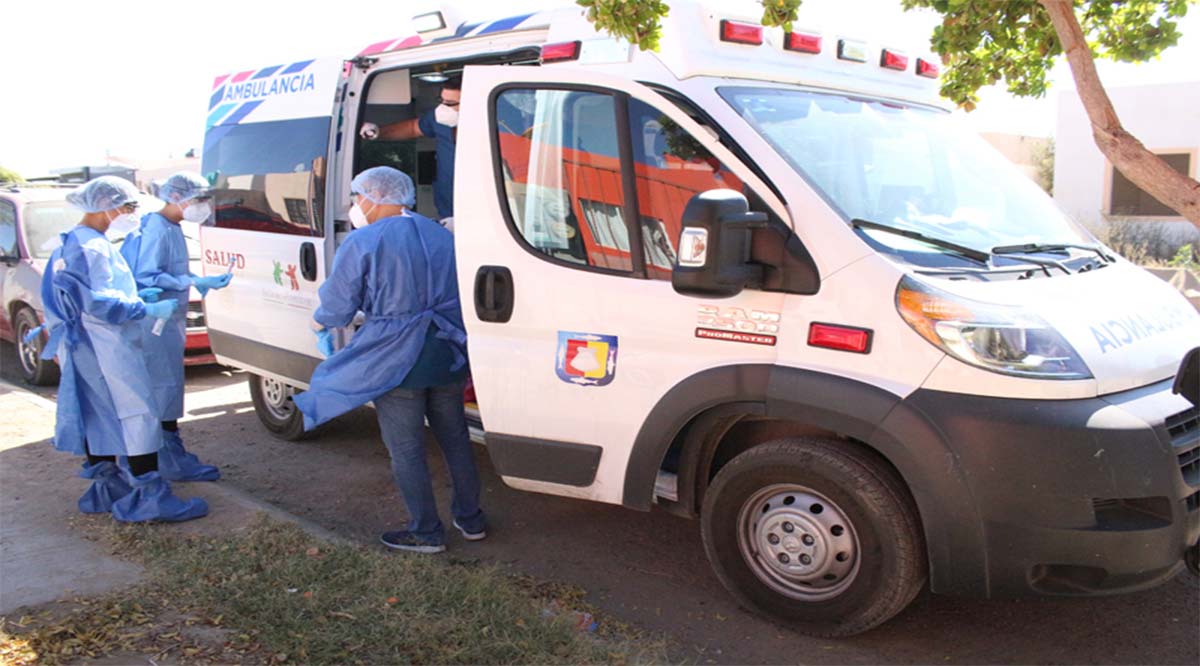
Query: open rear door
{"points": [[266, 152]]}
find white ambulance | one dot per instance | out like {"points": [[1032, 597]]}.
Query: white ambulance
{"points": [[757, 278]]}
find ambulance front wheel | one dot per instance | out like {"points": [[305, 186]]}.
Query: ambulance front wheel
{"points": [[818, 533], [275, 409]]}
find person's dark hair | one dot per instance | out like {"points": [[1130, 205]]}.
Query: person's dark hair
{"points": [[452, 83]]}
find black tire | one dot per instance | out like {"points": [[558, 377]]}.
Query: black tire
{"points": [[880, 552], [273, 404], [34, 369]]}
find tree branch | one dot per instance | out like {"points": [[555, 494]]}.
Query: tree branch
{"points": [[1142, 167]]}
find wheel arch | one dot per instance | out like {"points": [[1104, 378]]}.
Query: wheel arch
{"points": [[709, 417]]}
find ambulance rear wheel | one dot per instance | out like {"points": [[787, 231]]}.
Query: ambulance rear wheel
{"points": [[275, 409], [817, 533]]}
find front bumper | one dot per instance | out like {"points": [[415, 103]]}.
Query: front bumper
{"points": [[1068, 497]]}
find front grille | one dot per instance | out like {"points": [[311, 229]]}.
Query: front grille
{"points": [[195, 314], [1184, 429], [1184, 426]]}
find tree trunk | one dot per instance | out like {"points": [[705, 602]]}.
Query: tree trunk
{"points": [[1142, 167]]}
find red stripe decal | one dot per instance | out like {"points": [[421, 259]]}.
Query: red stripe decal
{"points": [[243, 76], [217, 81], [377, 47]]}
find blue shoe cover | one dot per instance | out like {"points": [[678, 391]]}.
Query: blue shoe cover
{"points": [[108, 486], [176, 464], [152, 499]]}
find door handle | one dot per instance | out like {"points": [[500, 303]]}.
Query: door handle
{"points": [[494, 294], [308, 261]]}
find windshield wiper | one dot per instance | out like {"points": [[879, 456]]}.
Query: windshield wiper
{"points": [[1027, 248], [968, 252]]}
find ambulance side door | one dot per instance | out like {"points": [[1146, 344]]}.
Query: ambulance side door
{"points": [[568, 217], [266, 152]]}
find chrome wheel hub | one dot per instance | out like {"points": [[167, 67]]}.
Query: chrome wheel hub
{"points": [[278, 398], [798, 542]]}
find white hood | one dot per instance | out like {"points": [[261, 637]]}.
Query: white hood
{"points": [[1129, 327]]}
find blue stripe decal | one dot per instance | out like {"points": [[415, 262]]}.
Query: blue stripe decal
{"points": [[216, 97], [219, 114], [265, 72], [504, 24], [465, 28], [214, 136], [298, 66], [243, 111]]}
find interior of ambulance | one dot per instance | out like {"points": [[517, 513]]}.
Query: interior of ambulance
{"points": [[396, 95]]}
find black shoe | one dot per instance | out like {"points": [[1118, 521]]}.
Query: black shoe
{"points": [[404, 540]]}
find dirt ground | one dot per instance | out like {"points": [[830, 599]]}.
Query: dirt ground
{"points": [[649, 569]]}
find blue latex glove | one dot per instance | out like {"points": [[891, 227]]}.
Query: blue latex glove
{"points": [[33, 334], [149, 294], [204, 283], [161, 309], [325, 342]]}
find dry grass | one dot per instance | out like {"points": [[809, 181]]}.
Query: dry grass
{"points": [[274, 594]]}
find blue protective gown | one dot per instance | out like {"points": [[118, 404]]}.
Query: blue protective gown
{"points": [[400, 273], [443, 181], [157, 253], [93, 310]]}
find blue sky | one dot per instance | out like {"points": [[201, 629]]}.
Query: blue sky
{"points": [[83, 79]]}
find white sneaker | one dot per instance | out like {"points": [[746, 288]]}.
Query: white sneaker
{"points": [[471, 536]]}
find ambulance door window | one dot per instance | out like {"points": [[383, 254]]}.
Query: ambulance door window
{"points": [[671, 167], [269, 176], [561, 166]]}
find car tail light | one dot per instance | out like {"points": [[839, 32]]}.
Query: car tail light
{"points": [[927, 69], [841, 338], [560, 52], [802, 42], [852, 50], [893, 60], [741, 33]]}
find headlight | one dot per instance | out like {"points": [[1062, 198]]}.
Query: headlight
{"points": [[1000, 338]]}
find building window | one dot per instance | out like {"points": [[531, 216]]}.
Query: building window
{"points": [[1129, 199]]}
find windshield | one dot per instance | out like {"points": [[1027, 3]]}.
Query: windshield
{"points": [[44, 221], [904, 167]]}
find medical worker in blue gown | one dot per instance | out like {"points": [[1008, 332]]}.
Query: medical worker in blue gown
{"points": [[105, 397], [409, 356], [158, 255]]}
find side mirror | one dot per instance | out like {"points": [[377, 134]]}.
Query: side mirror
{"points": [[714, 246]]}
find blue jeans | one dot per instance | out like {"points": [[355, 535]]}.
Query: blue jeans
{"points": [[402, 414]]}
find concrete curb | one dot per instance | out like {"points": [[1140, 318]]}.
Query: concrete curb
{"points": [[224, 490]]}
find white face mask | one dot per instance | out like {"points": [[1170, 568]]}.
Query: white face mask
{"points": [[197, 212], [123, 224], [446, 115], [358, 219]]}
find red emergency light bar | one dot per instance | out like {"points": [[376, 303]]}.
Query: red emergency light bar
{"points": [[560, 52], [741, 33], [890, 59], [927, 69], [841, 338], [802, 42]]}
